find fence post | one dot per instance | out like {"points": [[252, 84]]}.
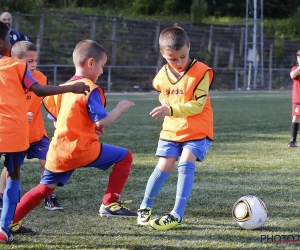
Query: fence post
{"points": [[211, 30], [114, 42], [242, 41], [270, 66], [93, 28], [108, 80], [215, 64], [40, 37], [55, 75], [236, 80], [16, 21], [231, 56], [157, 31]]}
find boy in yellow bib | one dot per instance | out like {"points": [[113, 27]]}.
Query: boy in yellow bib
{"points": [[187, 129]]}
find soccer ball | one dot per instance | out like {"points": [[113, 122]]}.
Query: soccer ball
{"points": [[249, 212]]}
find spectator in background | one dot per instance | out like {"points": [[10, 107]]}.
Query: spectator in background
{"points": [[15, 35], [294, 74]]}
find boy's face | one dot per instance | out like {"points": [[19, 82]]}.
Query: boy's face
{"points": [[31, 58], [177, 59], [5, 45], [96, 68]]}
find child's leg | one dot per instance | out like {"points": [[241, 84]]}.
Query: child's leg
{"points": [[31, 200], [156, 180], [295, 127], [3, 181], [117, 179], [184, 187], [10, 199]]}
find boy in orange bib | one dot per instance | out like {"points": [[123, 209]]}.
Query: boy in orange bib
{"points": [[38, 138], [75, 144], [15, 81]]}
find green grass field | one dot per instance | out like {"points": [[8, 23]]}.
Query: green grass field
{"points": [[249, 156]]}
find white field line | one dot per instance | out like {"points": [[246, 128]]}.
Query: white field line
{"points": [[138, 97]]}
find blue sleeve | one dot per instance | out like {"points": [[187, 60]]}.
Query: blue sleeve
{"points": [[95, 106], [50, 117], [28, 80]]}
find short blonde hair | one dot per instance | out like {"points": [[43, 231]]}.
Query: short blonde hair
{"points": [[19, 49], [87, 49]]}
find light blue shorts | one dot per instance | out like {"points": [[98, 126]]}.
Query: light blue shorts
{"points": [[174, 149]]}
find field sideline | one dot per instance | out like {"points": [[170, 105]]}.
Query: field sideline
{"points": [[249, 156]]}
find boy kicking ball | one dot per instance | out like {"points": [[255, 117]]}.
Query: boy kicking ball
{"points": [[187, 129], [75, 144]]}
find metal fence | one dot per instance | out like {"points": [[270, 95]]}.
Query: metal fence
{"points": [[125, 78]]}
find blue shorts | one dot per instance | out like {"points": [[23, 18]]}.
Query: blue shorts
{"points": [[109, 156], [38, 149], [174, 149], [13, 159]]}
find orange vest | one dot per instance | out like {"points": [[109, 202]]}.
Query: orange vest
{"points": [[75, 143], [14, 131], [196, 127], [36, 127]]}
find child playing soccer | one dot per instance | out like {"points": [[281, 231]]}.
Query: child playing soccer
{"points": [[38, 138], [75, 142], [295, 71], [15, 81], [187, 129]]}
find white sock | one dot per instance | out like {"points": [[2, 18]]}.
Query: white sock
{"points": [[176, 215]]}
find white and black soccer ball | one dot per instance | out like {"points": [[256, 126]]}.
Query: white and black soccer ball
{"points": [[249, 212]]}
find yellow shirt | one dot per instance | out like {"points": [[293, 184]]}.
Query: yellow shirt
{"points": [[191, 115]]}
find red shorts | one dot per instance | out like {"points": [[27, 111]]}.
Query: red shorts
{"points": [[295, 109]]}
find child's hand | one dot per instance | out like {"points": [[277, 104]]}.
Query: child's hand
{"points": [[29, 117], [124, 105], [160, 112], [99, 130], [80, 88]]}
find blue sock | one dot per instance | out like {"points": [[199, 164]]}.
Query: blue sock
{"points": [[11, 197], [154, 184], [184, 187]]}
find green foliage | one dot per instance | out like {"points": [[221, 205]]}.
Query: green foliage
{"points": [[294, 24], [145, 7], [170, 7], [198, 11], [278, 45], [21, 6]]}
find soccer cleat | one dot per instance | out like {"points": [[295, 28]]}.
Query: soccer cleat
{"points": [[166, 222], [5, 237], [51, 203], [18, 228], [292, 144], [144, 216], [116, 209]]}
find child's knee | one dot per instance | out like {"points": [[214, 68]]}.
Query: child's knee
{"points": [[186, 167]]}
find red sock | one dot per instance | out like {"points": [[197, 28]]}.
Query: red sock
{"points": [[117, 179], [31, 200]]}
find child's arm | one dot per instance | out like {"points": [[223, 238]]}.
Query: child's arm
{"points": [[46, 90], [294, 73], [115, 113], [190, 108]]}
